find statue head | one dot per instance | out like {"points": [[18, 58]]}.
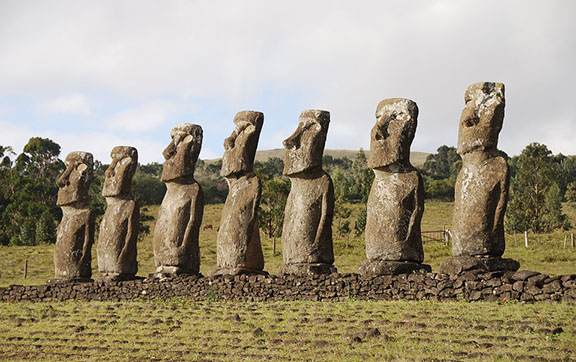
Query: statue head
{"points": [[393, 133], [182, 153], [304, 149], [119, 175], [482, 118], [240, 147], [74, 183]]}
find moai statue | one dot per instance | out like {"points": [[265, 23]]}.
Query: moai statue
{"points": [[176, 236], [481, 187], [307, 232], [396, 202], [238, 245], [119, 226], [75, 236]]}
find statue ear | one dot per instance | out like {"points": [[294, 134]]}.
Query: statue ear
{"points": [[81, 167]]}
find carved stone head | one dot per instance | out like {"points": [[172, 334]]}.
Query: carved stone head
{"points": [[240, 147], [182, 153], [119, 174], [304, 149], [393, 133], [74, 183], [482, 117]]}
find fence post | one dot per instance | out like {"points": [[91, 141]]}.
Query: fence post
{"points": [[25, 268], [565, 240], [526, 238], [446, 236], [274, 246], [572, 239]]}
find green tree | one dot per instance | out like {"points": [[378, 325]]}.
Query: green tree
{"points": [[564, 168], [274, 165], [341, 215], [444, 164], [341, 186], [535, 199], [362, 178], [439, 189], [275, 192], [147, 188], [571, 192], [6, 191], [33, 179], [46, 229], [360, 223], [27, 234]]}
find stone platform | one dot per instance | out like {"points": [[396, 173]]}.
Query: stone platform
{"points": [[524, 286]]}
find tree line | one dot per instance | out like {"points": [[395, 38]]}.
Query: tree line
{"points": [[540, 182]]}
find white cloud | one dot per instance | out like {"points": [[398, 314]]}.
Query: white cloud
{"points": [[98, 143], [14, 135], [69, 104], [141, 119], [339, 56]]}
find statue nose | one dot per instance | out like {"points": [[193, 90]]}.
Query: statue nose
{"points": [[293, 141]]}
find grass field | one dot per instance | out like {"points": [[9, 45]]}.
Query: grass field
{"points": [[177, 329], [546, 256], [303, 331]]}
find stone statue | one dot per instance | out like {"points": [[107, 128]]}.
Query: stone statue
{"points": [[176, 236], [238, 246], [482, 185], [75, 236], [119, 226], [307, 232], [396, 202]]}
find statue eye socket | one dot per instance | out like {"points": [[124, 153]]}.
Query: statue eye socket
{"points": [[471, 121], [188, 139]]}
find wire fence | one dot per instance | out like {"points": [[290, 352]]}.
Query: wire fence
{"points": [[442, 236]]}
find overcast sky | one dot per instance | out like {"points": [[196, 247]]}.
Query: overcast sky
{"points": [[91, 75]]}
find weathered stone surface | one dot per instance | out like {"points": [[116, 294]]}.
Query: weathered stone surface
{"points": [[335, 287], [307, 232], [481, 191], [238, 245], [460, 264], [176, 236], [396, 202], [75, 236], [523, 274], [381, 267], [119, 227], [482, 184]]}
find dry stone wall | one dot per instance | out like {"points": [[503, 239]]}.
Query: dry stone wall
{"points": [[523, 286]]}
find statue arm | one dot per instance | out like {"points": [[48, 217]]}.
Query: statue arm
{"points": [[195, 218], [325, 224], [502, 200], [256, 203], [418, 211], [89, 235], [133, 229]]}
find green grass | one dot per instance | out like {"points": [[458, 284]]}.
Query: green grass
{"points": [[314, 331], [546, 256]]}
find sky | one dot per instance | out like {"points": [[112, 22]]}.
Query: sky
{"points": [[91, 75]]}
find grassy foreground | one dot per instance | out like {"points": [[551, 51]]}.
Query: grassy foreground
{"points": [[546, 256], [313, 331]]}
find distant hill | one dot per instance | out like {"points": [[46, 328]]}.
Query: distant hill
{"points": [[416, 158]]}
